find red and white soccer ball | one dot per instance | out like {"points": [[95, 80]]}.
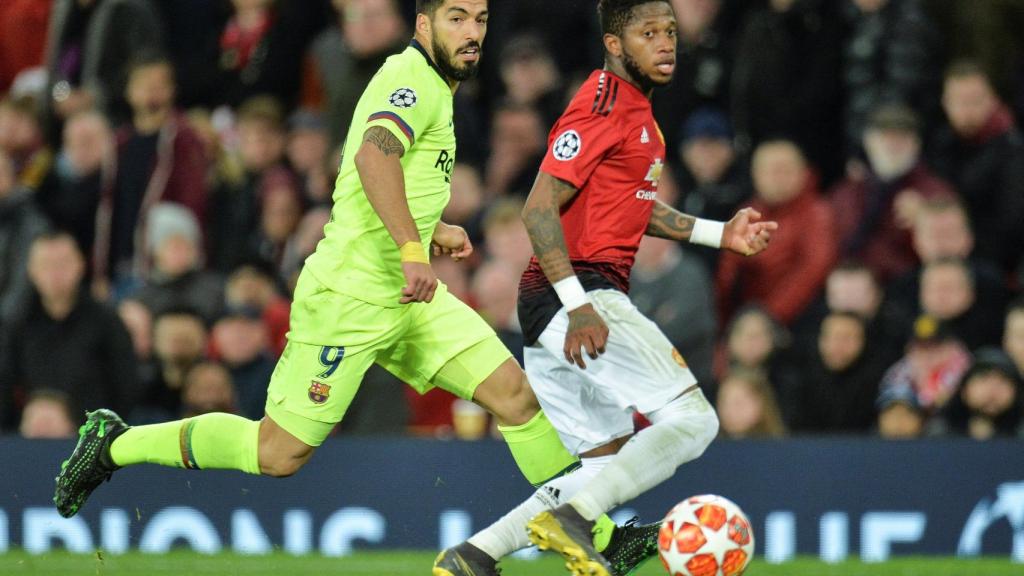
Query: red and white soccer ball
{"points": [[706, 536]]}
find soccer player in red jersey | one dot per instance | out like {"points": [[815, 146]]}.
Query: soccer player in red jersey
{"points": [[593, 201]]}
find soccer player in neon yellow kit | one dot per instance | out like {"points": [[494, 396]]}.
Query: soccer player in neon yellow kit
{"points": [[367, 295]]}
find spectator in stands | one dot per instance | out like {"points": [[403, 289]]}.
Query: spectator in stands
{"points": [[1013, 335], [931, 370], [703, 65], [712, 180], [83, 173], [139, 321], [20, 223], [505, 236], [236, 206], [241, 342], [66, 340], [467, 199], [302, 243], [531, 77], [755, 341], [179, 343], [900, 416], [747, 407], [663, 271], [876, 211], [839, 381], [47, 414], [251, 286], [307, 153], [989, 402], [89, 50], [343, 58], [981, 153], [261, 48], [159, 159], [208, 388], [853, 288], [281, 209], [22, 37], [193, 29], [942, 230], [518, 145], [177, 278], [787, 278], [494, 291], [787, 79], [890, 55], [948, 294], [22, 140]]}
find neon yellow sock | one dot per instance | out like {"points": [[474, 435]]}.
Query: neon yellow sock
{"points": [[211, 441], [538, 450], [603, 528]]}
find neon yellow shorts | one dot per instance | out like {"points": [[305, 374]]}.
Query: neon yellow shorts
{"points": [[335, 338]]}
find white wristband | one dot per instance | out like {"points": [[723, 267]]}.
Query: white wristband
{"points": [[571, 293], [707, 233]]}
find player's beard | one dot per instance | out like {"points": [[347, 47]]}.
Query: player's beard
{"points": [[446, 60], [632, 67]]}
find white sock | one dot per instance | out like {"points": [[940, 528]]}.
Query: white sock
{"points": [[681, 430], [509, 533]]}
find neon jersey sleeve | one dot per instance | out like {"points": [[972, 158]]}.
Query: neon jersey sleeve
{"points": [[406, 105], [578, 143]]}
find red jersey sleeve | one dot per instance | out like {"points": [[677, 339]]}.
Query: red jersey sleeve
{"points": [[577, 144]]}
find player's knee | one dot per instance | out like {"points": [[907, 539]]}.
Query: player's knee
{"points": [[281, 466], [507, 395], [520, 405]]}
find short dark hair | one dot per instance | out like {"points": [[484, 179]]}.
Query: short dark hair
{"points": [[264, 109], [57, 235], [966, 68], [1015, 306], [616, 14], [428, 7], [150, 59]]}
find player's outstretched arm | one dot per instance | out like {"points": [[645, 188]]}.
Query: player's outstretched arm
{"points": [[743, 234], [380, 171], [667, 222], [542, 217]]}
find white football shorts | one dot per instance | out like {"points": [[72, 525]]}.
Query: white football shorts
{"points": [[640, 371]]}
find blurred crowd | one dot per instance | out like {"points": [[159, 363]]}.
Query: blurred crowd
{"points": [[166, 166]]}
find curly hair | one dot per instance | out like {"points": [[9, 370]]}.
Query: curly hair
{"points": [[616, 14]]}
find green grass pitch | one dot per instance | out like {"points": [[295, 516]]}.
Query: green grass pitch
{"points": [[418, 564]]}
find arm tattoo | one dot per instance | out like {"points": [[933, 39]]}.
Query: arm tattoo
{"points": [[384, 140], [667, 222], [544, 225]]}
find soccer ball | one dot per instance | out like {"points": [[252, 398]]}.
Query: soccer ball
{"points": [[706, 536]]}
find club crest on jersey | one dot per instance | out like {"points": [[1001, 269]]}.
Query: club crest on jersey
{"points": [[319, 392], [567, 146], [654, 174], [403, 98]]}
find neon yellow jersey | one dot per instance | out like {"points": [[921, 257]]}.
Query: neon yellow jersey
{"points": [[409, 97]]}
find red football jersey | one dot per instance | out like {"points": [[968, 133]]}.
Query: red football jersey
{"points": [[608, 145]]}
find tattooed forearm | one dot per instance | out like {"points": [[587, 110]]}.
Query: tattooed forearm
{"points": [[544, 225], [384, 140], [667, 222]]}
